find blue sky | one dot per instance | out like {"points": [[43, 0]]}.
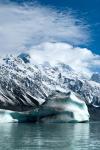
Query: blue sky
{"points": [[88, 10]]}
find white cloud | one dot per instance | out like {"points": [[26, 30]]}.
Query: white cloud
{"points": [[21, 27], [80, 59]]}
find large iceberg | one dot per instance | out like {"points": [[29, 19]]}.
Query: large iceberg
{"points": [[62, 107], [59, 107]]}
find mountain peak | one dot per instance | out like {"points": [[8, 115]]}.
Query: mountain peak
{"points": [[96, 77], [25, 57]]}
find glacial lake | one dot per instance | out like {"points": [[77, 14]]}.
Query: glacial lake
{"points": [[57, 136]]}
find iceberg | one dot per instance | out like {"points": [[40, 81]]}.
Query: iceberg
{"points": [[6, 117], [62, 107], [59, 107]]}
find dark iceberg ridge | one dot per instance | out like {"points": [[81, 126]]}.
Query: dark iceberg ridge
{"points": [[30, 92]]}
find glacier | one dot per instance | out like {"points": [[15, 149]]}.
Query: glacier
{"points": [[39, 92]]}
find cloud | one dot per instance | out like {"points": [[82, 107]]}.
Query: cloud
{"points": [[80, 59], [22, 27], [47, 33]]}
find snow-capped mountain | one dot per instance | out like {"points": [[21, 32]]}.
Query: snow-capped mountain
{"points": [[25, 85], [22, 81]]}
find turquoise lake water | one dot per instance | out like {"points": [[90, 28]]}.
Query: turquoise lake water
{"points": [[64, 136]]}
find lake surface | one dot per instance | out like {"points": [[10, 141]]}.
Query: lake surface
{"points": [[67, 136]]}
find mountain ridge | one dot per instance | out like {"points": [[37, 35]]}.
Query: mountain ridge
{"points": [[25, 85]]}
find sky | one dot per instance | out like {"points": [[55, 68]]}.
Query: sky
{"points": [[87, 10], [67, 29]]}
